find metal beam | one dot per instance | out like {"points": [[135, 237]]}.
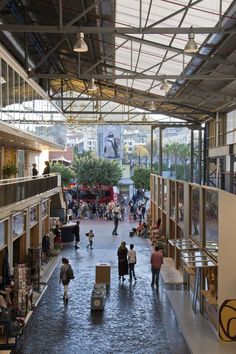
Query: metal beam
{"points": [[155, 45], [82, 14], [107, 112], [184, 8], [96, 121], [50, 52], [140, 100], [133, 76], [114, 30]]}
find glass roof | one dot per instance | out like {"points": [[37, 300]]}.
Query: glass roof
{"points": [[150, 59]]}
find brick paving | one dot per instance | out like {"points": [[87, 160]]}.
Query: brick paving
{"points": [[137, 318]]}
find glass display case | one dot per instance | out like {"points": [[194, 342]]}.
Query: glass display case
{"points": [[160, 192], [172, 200], [18, 224], [3, 233], [33, 213], [211, 222], [44, 208], [195, 213], [180, 203], [164, 194]]}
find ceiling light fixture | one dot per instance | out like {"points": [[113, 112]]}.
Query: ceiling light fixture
{"points": [[144, 118], [92, 86], [152, 106], [164, 87], [97, 105], [2, 80], [191, 46], [80, 45]]}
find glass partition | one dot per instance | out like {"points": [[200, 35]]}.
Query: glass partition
{"points": [[44, 207], [25, 108], [211, 222], [172, 200], [180, 204], [160, 192], [3, 233], [195, 213], [33, 211], [164, 194], [18, 224]]}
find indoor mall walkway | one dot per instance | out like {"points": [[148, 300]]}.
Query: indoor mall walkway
{"points": [[137, 318]]}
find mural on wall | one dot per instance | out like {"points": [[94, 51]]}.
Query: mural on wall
{"points": [[111, 141], [227, 321]]}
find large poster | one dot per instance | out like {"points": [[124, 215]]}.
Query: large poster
{"points": [[111, 141]]}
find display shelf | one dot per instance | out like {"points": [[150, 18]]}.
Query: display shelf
{"points": [[34, 264], [35, 223], [201, 241], [209, 297]]}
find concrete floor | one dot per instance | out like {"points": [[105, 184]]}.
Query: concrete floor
{"points": [[137, 318]]}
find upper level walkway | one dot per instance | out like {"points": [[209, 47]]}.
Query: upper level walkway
{"points": [[137, 318], [15, 190]]}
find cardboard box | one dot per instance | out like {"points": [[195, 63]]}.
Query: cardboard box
{"points": [[103, 273]]}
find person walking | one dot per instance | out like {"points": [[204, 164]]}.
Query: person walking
{"points": [[116, 222], [66, 274], [90, 236], [77, 234], [34, 170], [156, 262], [132, 259], [122, 261], [46, 170]]}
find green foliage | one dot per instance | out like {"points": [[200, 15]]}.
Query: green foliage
{"points": [[9, 170], [141, 178], [66, 172], [91, 171]]}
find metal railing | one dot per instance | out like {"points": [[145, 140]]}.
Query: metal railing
{"points": [[17, 189]]}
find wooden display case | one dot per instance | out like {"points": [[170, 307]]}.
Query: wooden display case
{"points": [[206, 217]]}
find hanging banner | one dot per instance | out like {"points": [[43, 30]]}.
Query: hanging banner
{"points": [[111, 141]]}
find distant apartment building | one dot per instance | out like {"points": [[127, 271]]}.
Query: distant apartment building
{"points": [[85, 139]]}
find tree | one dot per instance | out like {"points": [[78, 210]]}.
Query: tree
{"points": [[96, 171], [141, 178], [66, 172]]}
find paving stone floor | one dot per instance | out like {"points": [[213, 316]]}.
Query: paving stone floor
{"points": [[137, 318]]}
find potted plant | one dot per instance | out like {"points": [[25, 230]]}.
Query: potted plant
{"points": [[9, 170]]}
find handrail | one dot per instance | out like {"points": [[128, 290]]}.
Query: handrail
{"points": [[25, 179], [17, 189]]}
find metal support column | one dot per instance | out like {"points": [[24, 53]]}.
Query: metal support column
{"points": [[191, 155], [160, 152], [199, 156], [152, 128], [231, 171]]}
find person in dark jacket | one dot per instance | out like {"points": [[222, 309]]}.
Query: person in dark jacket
{"points": [[116, 222], [122, 254], [34, 170], [77, 234], [65, 276], [46, 170]]}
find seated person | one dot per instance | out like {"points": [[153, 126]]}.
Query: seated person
{"points": [[139, 228], [144, 232], [156, 231]]}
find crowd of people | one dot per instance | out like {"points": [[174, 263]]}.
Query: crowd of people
{"points": [[102, 211]]}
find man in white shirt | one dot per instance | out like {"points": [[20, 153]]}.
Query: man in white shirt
{"points": [[132, 259]]}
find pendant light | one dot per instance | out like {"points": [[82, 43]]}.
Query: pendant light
{"points": [[80, 45], [2, 80], [191, 46], [152, 106], [164, 87], [92, 86]]}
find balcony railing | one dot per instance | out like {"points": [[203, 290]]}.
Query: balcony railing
{"points": [[17, 189]]}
